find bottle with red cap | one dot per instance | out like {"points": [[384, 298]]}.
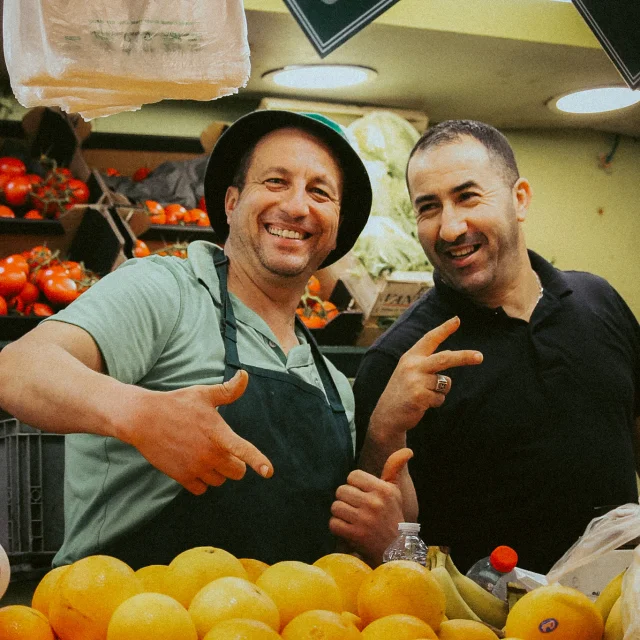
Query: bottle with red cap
{"points": [[499, 566]]}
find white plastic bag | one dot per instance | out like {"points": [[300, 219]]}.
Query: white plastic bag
{"points": [[602, 535], [99, 57]]}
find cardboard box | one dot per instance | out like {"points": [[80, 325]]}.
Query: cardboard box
{"points": [[389, 296]]}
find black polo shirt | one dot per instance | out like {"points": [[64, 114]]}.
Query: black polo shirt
{"points": [[528, 443]]}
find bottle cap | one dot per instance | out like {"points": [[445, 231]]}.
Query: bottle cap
{"points": [[503, 559], [409, 527]]}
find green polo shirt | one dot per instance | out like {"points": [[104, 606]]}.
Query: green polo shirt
{"points": [[156, 321]]}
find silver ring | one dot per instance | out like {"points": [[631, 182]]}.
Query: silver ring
{"points": [[441, 384]]}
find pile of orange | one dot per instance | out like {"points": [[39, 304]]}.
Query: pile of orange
{"points": [[206, 593]]}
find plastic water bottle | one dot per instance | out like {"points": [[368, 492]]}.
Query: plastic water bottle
{"points": [[408, 545], [498, 567], [5, 571]]}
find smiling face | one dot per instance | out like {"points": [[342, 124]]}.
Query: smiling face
{"points": [[469, 217], [284, 221]]}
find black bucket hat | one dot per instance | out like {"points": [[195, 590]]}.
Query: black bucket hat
{"points": [[248, 130]]}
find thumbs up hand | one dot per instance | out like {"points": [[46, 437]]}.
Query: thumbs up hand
{"points": [[367, 509]]}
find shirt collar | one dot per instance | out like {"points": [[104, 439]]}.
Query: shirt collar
{"points": [[201, 255], [553, 282]]}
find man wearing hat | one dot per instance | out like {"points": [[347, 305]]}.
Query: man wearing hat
{"points": [[173, 376]]}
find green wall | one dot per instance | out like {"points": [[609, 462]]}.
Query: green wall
{"points": [[582, 216]]}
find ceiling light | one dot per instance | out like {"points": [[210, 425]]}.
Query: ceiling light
{"points": [[597, 100], [320, 76]]}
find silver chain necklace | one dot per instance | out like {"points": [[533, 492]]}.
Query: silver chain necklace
{"points": [[541, 292]]}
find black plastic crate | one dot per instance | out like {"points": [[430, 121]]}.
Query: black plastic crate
{"points": [[31, 493]]}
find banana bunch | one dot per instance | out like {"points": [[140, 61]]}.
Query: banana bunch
{"points": [[608, 604], [465, 599]]}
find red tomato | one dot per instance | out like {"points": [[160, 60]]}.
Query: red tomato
{"points": [[79, 191], [74, 269], [58, 175], [140, 174], [112, 172], [141, 250], [17, 260], [33, 214], [203, 221], [46, 200], [60, 289], [155, 211], [34, 179], [14, 166], [330, 309], [39, 309], [17, 190], [40, 276], [29, 294], [5, 212], [12, 279], [175, 213], [3, 306], [193, 215], [38, 255], [16, 303], [202, 204]]}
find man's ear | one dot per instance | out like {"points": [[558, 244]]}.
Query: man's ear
{"points": [[522, 194], [230, 201]]}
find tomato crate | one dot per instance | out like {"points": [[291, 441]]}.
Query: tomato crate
{"points": [[31, 493]]}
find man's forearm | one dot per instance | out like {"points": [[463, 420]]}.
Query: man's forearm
{"points": [[46, 387]]}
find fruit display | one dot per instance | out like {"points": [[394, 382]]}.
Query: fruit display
{"points": [[39, 281], [175, 214], [30, 196], [206, 593]]}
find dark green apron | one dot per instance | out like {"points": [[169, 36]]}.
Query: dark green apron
{"points": [[285, 517]]}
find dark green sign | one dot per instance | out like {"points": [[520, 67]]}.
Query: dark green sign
{"points": [[330, 23], [616, 24]]}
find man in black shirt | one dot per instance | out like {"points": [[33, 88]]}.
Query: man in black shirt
{"points": [[522, 449]]}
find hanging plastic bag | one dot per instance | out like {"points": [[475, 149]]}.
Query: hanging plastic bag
{"points": [[604, 534], [97, 58]]}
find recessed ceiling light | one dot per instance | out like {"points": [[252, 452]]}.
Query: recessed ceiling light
{"points": [[320, 76], [596, 100]]}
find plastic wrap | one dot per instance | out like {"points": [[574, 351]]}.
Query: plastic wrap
{"points": [[97, 58], [614, 529]]}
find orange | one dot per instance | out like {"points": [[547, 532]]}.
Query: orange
{"points": [[88, 594], [401, 586], [398, 626], [18, 622], [348, 572], [241, 629], [465, 630], [297, 587], [152, 577], [191, 570], [46, 588], [319, 625], [151, 616], [563, 611], [231, 597], [254, 568]]}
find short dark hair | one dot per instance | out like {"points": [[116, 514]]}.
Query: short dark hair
{"points": [[240, 174], [495, 143]]}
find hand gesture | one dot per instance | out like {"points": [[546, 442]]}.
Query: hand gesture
{"points": [[182, 434], [367, 509], [416, 384]]}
